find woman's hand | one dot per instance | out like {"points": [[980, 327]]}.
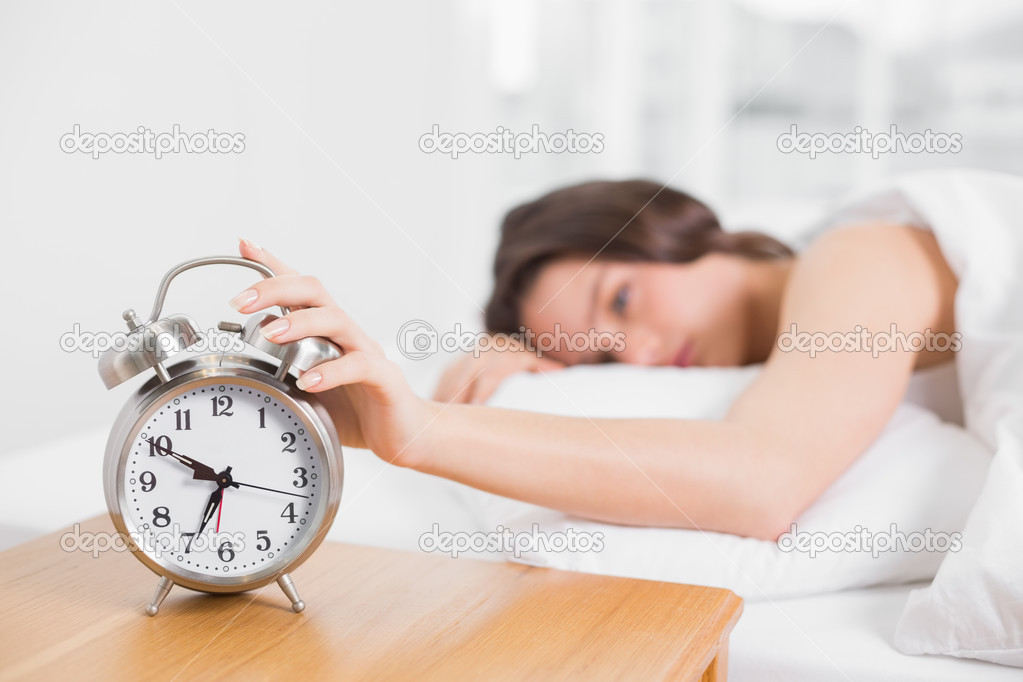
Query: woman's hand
{"points": [[473, 379], [371, 403]]}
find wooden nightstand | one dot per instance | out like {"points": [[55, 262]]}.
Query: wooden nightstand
{"points": [[372, 614]]}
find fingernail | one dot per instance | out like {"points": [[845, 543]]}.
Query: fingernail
{"points": [[244, 299], [275, 328], [251, 245], [309, 379]]}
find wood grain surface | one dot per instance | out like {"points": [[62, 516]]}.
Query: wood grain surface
{"points": [[371, 614]]}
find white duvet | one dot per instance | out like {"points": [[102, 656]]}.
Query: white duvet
{"points": [[974, 607]]}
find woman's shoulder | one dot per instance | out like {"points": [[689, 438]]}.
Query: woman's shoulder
{"points": [[875, 239], [875, 244], [874, 266]]}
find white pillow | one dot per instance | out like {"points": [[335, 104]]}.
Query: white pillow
{"points": [[921, 474]]}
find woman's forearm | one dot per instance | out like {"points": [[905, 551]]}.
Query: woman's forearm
{"points": [[658, 472]]}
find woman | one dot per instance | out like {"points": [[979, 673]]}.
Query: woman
{"points": [[655, 265]]}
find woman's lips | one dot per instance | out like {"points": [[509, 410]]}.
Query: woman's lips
{"points": [[685, 355]]}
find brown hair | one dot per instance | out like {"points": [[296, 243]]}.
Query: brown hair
{"points": [[631, 220]]}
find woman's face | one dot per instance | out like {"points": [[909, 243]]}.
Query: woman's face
{"points": [[688, 314]]}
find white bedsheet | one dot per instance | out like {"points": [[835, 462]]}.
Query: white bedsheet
{"points": [[841, 636]]}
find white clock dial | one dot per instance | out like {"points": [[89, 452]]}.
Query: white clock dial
{"points": [[222, 478]]}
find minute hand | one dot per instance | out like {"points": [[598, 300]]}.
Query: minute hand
{"points": [[200, 471], [282, 492]]}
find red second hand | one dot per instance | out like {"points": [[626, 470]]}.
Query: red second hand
{"points": [[220, 509]]}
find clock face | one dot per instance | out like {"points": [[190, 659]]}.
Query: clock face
{"points": [[223, 480]]}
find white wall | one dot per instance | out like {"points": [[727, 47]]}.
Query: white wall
{"points": [[333, 97], [331, 100]]}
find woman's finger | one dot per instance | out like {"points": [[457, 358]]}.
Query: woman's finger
{"points": [[283, 290], [253, 251], [355, 367], [455, 384], [485, 386], [488, 382], [331, 322], [444, 390], [546, 365], [482, 387]]}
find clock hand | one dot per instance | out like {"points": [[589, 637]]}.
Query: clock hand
{"points": [[211, 506], [282, 492], [200, 471], [220, 509]]}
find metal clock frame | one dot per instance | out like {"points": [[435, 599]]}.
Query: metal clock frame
{"points": [[159, 338]]}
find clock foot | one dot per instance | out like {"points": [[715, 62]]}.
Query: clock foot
{"points": [[288, 585], [153, 607]]}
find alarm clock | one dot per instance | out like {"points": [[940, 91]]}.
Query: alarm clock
{"points": [[220, 474]]}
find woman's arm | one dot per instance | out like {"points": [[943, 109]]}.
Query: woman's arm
{"points": [[653, 472], [794, 430], [791, 434]]}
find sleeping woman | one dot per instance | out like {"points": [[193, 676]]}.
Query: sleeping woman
{"points": [[654, 267]]}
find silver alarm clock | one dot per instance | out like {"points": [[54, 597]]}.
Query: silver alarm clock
{"points": [[221, 475]]}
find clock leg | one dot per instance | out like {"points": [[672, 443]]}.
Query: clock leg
{"points": [[288, 585], [153, 607]]}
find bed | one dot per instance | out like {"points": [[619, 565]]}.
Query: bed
{"points": [[839, 636]]}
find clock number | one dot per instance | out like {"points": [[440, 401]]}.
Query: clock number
{"points": [[222, 405], [160, 445], [302, 480], [290, 439], [161, 514], [226, 552], [188, 545], [289, 512], [183, 417], [148, 481], [262, 536], [262, 417]]}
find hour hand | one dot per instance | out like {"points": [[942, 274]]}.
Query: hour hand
{"points": [[200, 471]]}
